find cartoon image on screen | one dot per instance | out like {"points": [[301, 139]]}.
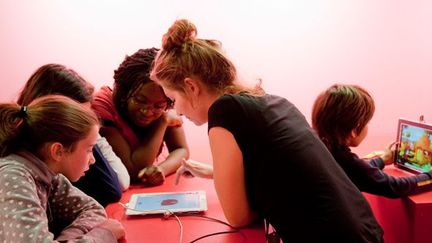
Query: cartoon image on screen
{"points": [[168, 202], [415, 146]]}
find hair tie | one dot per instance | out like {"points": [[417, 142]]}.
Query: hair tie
{"points": [[23, 112]]}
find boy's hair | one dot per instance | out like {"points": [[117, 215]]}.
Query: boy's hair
{"points": [[339, 110], [51, 118], [56, 79]]}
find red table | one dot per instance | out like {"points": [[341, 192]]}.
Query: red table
{"points": [[156, 229], [406, 220]]}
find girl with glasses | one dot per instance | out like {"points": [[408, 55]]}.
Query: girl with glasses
{"points": [[138, 122]]}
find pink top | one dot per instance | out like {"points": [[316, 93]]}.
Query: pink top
{"points": [[104, 107]]}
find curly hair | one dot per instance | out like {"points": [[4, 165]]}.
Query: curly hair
{"points": [[132, 73]]}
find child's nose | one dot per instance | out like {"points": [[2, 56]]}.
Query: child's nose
{"points": [[92, 159]]}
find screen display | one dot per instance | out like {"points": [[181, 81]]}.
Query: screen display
{"points": [[415, 147], [168, 201]]}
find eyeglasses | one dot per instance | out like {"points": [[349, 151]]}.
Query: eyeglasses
{"points": [[157, 107]]}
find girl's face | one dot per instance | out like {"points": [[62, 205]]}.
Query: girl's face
{"points": [[184, 105], [147, 104], [78, 161], [356, 139]]}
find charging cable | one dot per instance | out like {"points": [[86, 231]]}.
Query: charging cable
{"points": [[167, 214]]}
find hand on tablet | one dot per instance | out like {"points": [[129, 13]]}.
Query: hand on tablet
{"points": [[152, 175], [191, 168], [388, 154]]}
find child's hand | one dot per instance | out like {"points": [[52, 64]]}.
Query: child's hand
{"points": [[115, 227], [372, 155], [388, 154], [152, 175], [172, 119]]}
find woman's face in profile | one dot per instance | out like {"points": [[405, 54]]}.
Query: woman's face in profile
{"points": [[189, 106], [147, 104]]}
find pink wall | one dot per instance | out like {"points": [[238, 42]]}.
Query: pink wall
{"points": [[297, 47]]}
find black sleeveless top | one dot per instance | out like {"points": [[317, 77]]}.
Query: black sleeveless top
{"points": [[291, 178]]}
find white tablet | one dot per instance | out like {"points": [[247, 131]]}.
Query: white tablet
{"points": [[167, 202]]}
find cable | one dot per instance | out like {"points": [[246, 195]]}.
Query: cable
{"points": [[235, 230], [169, 213], [166, 214], [180, 226], [212, 219], [213, 234]]}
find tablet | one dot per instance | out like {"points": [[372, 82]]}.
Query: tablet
{"points": [[414, 146], [167, 202]]}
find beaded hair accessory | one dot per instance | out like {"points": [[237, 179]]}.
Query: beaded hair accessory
{"points": [[23, 112]]}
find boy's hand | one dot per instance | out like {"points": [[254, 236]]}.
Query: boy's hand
{"points": [[388, 154]]}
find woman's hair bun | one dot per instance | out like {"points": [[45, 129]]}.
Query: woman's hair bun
{"points": [[182, 31]]}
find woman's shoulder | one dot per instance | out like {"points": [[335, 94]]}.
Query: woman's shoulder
{"points": [[225, 103], [241, 97], [245, 97]]}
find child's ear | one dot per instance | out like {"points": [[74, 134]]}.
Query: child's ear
{"points": [[53, 153], [56, 151], [350, 137], [353, 133]]}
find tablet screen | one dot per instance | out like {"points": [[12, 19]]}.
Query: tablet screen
{"points": [[414, 150], [168, 201], [153, 203]]}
